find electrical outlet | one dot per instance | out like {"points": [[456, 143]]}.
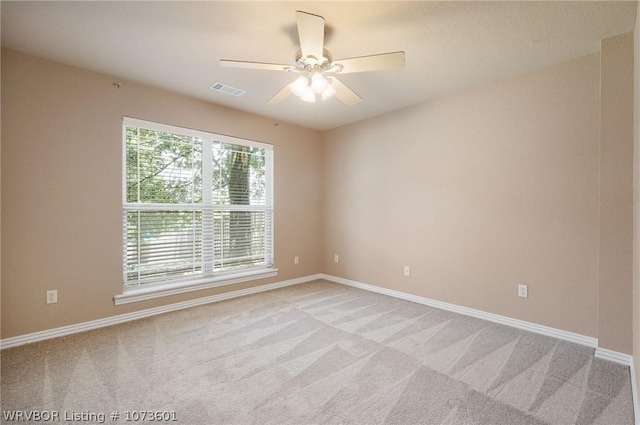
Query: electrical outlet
{"points": [[407, 271], [296, 260], [523, 291], [52, 296], [336, 259]]}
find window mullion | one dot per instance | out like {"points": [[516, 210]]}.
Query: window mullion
{"points": [[268, 234], [138, 236], [207, 200], [138, 165]]}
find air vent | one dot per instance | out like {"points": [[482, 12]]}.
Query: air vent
{"points": [[227, 89]]}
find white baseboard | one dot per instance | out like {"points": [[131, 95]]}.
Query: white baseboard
{"points": [[108, 321], [634, 393], [520, 324], [614, 356], [121, 318], [626, 360]]}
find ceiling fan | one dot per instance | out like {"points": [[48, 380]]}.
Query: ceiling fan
{"points": [[317, 68]]}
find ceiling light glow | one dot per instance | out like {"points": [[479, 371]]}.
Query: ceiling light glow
{"points": [[328, 92], [308, 88], [318, 83], [299, 85]]}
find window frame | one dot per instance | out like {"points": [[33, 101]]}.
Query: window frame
{"points": [[197, 281]]}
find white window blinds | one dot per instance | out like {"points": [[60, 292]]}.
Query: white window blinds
{"points": [[195, 204]]}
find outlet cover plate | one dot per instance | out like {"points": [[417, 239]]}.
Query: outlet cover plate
{"points": [[52, 296], [523, 291]]}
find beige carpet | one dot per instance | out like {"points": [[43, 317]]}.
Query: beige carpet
{"points": [[318, 353]]}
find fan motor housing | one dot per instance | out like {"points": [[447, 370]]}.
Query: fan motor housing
{"points": [[304, 62]]}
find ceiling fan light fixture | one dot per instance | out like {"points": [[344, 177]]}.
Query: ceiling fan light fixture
{"points": [[335, 68], [318, 83], [328, 92], [299, 85], [313, 62]]}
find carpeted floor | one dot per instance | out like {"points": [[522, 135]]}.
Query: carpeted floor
{"points": [[318, 353]]}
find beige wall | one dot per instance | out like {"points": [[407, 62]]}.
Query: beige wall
{"points": [[615, 317], [61, 189], [477, 192]]}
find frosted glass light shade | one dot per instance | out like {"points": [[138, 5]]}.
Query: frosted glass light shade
{"points": [[318, 83], [328, 92], [299, 85]]}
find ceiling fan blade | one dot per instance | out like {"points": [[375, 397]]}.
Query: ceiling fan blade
{"points": [[281, 95], [371, 63], [255, 65], [344, 93], [311, 34]]}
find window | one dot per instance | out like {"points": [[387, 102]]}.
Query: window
{"points": [[197, 207]]}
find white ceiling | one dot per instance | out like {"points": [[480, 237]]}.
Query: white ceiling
{"points": [[177, 45]]}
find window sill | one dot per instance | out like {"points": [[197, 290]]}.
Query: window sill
{"points": [[158, 291]]}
